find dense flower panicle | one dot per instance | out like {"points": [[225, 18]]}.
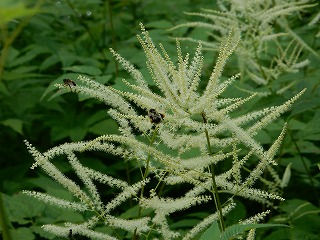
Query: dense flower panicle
{"points": [[256, 218], [57, 201], [247, 192], [255, 21], [127, 193], [251, 234], [124, 126], [56, 174], [85, 178], [202, 162], [194, 132], [129, 225], [275, 113], [65, 232], [314, 21], [105, 179], [165, 206]]}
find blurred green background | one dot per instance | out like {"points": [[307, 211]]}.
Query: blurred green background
{"points": [[43, 42]]}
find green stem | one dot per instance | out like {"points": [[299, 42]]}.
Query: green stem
{"points": [[262, 72], [113, 34], [214, 184], [304, 164], [146, 172], [84, 24]]}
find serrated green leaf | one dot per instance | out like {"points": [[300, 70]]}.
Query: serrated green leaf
{"points": [[108, 126], [22, 233], [4, 89], [296, 125], [21, 208], [69, 216], [15, 124], [103, 79], [297, 163], [29, 53], [97, 117], [232, 231], [297, 207], [48, 62], [130, 213], [25, 69], [9, 11], [43, 234], [84, 69], [12, 56], [212, 233], [184, 223], [77, 133], [134, 211]]}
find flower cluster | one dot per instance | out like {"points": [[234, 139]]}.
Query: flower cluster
{"points": [[261, 24], [179, 140]]}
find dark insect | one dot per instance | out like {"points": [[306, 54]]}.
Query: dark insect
{"points": [[70, 233], [154, 116], [69, 83]]}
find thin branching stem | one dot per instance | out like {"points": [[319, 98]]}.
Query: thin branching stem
{"points": [[85, 25], [144, 176], [113, 35], [303, 163], [214, 184]]}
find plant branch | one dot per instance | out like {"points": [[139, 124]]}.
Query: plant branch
{"points": [[146, 172], [113, 35], [214, 184]]}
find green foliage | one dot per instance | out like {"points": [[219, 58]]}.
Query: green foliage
{"points": [[269, 46], [27, 217], [303, 218], [179, 102], [213, 232], [11, 10], [44, 42]]}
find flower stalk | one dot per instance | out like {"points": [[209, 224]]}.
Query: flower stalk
{"points": [[144, 176], [214, 184]]}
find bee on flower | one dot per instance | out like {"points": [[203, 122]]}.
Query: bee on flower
{"points": [[154, 116], [69, 83]]}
